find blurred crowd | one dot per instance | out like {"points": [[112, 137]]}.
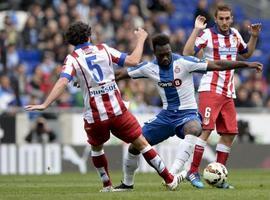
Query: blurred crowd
{"points": [[32, 47]]}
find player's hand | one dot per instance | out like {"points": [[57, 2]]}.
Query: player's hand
{"points": [[256, 65], [141, 33], [35, 107], [200, 22], [255, 29]]}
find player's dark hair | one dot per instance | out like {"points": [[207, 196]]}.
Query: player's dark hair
{"points": [[78, 33], [223, 7], [160, 40]]}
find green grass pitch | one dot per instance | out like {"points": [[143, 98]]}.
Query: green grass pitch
{"points": [[250, 184]]}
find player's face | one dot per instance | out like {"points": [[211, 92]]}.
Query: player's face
{"points": [[163, 54], [224, 20]]}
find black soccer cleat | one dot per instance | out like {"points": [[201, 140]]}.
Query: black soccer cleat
{"points": [[123, 188]]}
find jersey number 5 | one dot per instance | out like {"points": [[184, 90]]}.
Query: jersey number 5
{"points": [[95, 68]]}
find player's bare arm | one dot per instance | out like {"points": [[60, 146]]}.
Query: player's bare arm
{"points": [[135, 57], [198, 27], [220, 65], [255, 30], [121, 74], [57, 90]]}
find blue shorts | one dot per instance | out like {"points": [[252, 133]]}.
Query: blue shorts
{"points": [[167, 124]]}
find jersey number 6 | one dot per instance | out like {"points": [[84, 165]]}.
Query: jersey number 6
{"points": [[94, 68], [207, 112]]}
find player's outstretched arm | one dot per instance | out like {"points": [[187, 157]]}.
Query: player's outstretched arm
{"points": [[135, 57], [198, 27], [57, 90], [220, 65], [121, 74], [255, 30]]}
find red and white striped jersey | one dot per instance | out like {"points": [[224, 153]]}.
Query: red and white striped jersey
{"points": [[93, 67], [217, 46]]}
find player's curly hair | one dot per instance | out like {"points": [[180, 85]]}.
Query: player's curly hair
{"points": [[160, 40], [78, 33]]}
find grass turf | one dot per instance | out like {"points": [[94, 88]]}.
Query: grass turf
{"points": [[250, 184]]}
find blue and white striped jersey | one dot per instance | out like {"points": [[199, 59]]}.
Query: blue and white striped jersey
{"points": [[174, 83]]}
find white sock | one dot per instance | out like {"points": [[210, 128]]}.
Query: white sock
{"points": [[183, 154], [201, 142], [223, 148], [131, 163]]}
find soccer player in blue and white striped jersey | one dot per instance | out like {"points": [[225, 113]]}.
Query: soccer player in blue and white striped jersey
{"points": [[172, 76]]}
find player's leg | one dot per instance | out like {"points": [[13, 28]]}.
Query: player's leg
{"points": [[227, 128], [97, 153], [209, 108], [224, 147], [154, 160], [130, 165], [154, 132], [101, 164], [199, 150], [190, 130], [222, 151], [131, 132]]}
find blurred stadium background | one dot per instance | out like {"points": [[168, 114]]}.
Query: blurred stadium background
{"points": [[32, 49]]}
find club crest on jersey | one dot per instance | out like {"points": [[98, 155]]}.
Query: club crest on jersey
{"points": [[234, 41], [215, 41], [177, 70], [174, 83], [206, 120]]}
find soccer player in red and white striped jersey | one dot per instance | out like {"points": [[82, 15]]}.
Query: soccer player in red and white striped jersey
{"points": [[104, 108], [217, 90]]}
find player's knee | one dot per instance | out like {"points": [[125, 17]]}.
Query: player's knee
{"points": [[133, 150], [197, 131], [193, 128]]}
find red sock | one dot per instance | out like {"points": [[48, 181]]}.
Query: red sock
{"points": [[101, 164], [155, 161], [222, 157], [197, 157], [222, 153]]}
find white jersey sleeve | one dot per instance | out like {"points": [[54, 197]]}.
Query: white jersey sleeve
{"points": [[140, 71], [68, 70], [116, 56], [193, 64]]}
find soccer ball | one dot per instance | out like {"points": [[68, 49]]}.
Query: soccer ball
{"points": [[215, 174]]}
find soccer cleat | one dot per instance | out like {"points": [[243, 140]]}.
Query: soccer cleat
{"points": [[195, 180], [123, 188], [225, 185], [178, 178], [107, 189], [181, 176]]}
